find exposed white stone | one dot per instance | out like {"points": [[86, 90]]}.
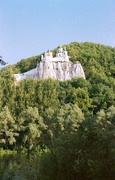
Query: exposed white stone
{"points": [[59, 70], [58, 67], [27, 75]]}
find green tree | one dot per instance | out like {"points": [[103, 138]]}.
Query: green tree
{"points": [[8, 129], [30, 128]]}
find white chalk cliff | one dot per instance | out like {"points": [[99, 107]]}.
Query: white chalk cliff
{"points": [[58, 67]]}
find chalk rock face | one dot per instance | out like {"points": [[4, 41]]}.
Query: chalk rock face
{"points": [[58, 67], [59, 70], [27, 75]]}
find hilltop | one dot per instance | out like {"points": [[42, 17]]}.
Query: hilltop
{"points": [[93, 57]]}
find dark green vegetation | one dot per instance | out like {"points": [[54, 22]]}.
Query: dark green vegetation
{"points": [[66, 128]]}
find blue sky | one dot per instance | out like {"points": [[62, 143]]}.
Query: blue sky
{"points": [[30, 27]]}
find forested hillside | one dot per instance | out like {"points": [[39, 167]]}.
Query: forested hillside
{"points": [[70, 123], [98, 62]]}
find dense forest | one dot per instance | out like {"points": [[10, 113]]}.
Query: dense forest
{"points": [[67, 127]]}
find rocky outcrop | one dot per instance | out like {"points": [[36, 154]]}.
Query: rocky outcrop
{"points": [[59, 70], [55, 70], [58, 67]]}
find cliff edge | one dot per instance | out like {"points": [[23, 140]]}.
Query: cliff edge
{"points": [[58, 67], [59, 70]]}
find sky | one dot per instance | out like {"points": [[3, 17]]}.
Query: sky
{"points": [[30, 27]]}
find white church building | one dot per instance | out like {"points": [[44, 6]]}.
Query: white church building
{"points": [[61, 56]]}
